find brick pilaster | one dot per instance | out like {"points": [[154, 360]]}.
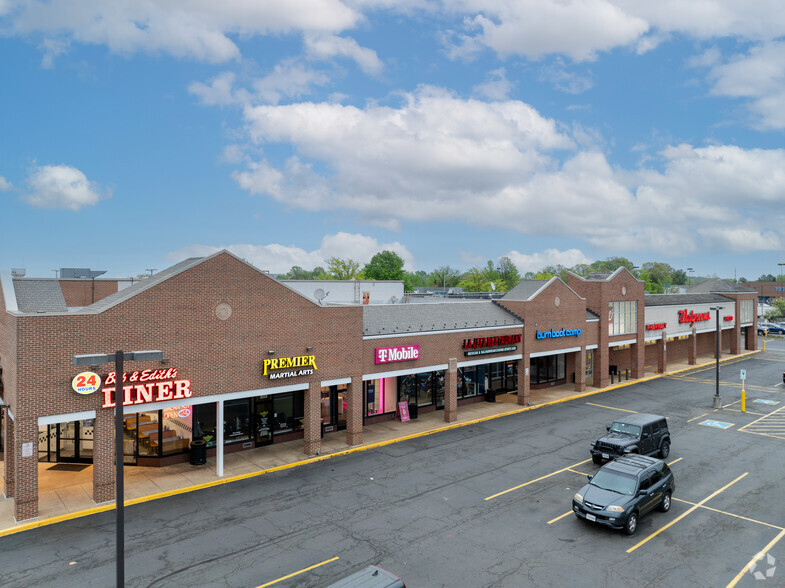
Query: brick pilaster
{"points": [[8, 427], [354, 418], [662, 353], [580, 370], [451, 391], [313, 421], [523, 380], [26, 470], [692, 348], [103, 456]]}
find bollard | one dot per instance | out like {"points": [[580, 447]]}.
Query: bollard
{"points": [[764, 345], [743, 405], [611, 377], [627, 374]]}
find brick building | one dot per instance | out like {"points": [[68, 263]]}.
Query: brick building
{"points": [[249, 361]]}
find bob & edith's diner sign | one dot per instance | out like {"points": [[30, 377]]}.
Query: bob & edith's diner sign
{"points": [[142, 387]]}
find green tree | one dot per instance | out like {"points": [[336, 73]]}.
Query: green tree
{"points": [[445, 276], [508, 273], [385, 265], [416, 280], [659, 273], [679, 277], [474, 281], [343, 269], [609, 265], [767, 278]]}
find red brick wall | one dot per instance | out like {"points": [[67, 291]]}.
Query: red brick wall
{"points": [[86, 292]]}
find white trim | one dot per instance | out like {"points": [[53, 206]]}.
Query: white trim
{"points": [[337, 382], [745, 324], [555, 352], [487, 360], [10, 413], [194, 400], [654, 338], [627, 342], [592, 346], [9, 294], [66, 418], [415, 370], [442, 332], [219, 450]]}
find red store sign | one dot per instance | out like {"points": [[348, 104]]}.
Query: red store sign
{"points": [[147, 386], [491, 341], [656, 326], [688, 316]]}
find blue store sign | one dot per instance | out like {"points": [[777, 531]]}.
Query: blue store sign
{"points": [[555, 334]]}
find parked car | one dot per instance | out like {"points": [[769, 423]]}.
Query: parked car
{"points": [[370, 577], [770, 329], [642, 433], [624, 490]]}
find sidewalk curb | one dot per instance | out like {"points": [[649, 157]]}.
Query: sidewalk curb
{"points": [[110, 506]]}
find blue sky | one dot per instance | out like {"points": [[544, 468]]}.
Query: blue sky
{"points": [[137, 133]]}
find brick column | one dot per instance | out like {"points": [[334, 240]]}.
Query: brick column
{"points": [[354, 419], [451, 391], [692, 348], [8, 465], [750, 339], [638, 358], [662, 354], [313, 420], [735, 338], [580, 370], [26, 470], [602, 364], [103, 456], [523, 380]]}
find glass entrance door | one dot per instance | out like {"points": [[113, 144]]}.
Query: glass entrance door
{"points": [[263, 414]]}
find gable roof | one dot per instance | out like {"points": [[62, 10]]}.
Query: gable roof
{"points": [[719, 285], [527, 290], [685, 299]]}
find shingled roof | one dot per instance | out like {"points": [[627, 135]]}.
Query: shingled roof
{"points": [[389, 319], [39, 295], [719, 285]]}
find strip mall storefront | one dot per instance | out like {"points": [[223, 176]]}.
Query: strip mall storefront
{"points": [[249, 362]]}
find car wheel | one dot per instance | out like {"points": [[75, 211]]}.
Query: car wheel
{"points": [[632, 524], [596, 459], [665, 450], [666, 502]]}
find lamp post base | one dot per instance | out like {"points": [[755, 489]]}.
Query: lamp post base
{"points": [[717, 402]]}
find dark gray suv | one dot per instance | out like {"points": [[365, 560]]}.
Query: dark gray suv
{"points": [[646, 434], [624, 490]]}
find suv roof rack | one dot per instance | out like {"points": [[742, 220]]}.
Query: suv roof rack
{"points": [[635, 461]]}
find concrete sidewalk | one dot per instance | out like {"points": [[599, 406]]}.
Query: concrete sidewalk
{"points": [[67, 494]]}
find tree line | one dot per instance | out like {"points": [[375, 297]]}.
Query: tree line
{"points": [[501, 276]]}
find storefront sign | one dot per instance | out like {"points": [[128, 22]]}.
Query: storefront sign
{"points": [[401, 353], [149, 392], [554, 334], [727, 319], [688, 316], [182, 412], [487, 351], [656, 326], [403, 411], [305, 365], [491, 341], [86, 383]]}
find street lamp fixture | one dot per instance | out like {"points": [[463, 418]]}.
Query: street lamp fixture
{"points": [[689, 272], [717, 399], [118, 357]]}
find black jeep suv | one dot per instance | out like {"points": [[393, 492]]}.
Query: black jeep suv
{"points": [[624, 490], [642, 433]]}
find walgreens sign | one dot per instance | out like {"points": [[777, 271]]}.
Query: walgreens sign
{"points": [[401, 353]]}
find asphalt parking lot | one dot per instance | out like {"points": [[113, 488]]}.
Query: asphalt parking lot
{"points": [[488, 504]]}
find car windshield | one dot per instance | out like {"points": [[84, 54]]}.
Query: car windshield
{"points": [[614, 481], [633, 430]]}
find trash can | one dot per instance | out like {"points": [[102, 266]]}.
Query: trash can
{"points": [[490, 395], [198, 452], [412, 411]]}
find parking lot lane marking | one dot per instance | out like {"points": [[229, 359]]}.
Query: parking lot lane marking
{"points": [[670, 463], [612, 407], [698, 417], [577, 472], [758, 556], [730, 514], [772, 413], [299, 572], [538, 479], [685, 513], [560, 517]]}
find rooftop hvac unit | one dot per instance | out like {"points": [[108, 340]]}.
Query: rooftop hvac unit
{"points": [[18, 272]]}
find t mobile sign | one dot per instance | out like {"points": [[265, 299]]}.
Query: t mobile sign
{"points": [[401, 353]]}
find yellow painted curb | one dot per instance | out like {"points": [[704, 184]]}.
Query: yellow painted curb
{"points": [[110, 506]]}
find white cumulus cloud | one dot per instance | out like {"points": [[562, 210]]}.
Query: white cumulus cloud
{"points": [[62, 186], [534, 262]]}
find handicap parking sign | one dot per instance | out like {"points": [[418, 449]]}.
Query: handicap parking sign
{"points": [[717, 424]]}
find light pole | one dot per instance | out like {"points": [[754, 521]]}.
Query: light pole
{"points": [[689, 271], [780, 264], [717, 399], [118, 357]]}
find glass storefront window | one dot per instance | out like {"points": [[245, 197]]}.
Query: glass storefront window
{"points": [[380, 396], [237, 421], [204, 423], [264, 420], [177, 430], [288, 412], [146, 425], [407, 389], [425, 389], [86, 430], [548, 369]]}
